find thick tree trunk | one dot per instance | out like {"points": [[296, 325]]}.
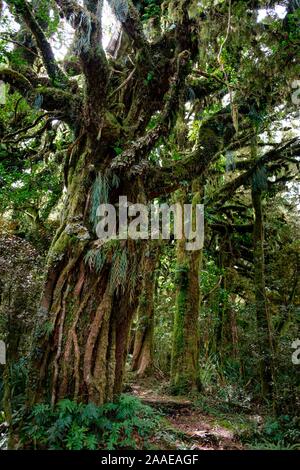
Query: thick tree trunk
{"points": [[85, 355], [142, 358], [262, 313], [185, 350], [90, 295]]}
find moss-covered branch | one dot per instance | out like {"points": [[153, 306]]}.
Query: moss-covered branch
{"points": [[23, 9], [132, 158], [17, 80], [282, 151], [166, 180], [52, 99]]}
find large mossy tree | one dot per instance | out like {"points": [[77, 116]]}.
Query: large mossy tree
{"points": [[122, 108]]}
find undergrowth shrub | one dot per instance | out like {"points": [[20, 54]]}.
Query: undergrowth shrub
{"points": [[278, 433], [126, 423]]}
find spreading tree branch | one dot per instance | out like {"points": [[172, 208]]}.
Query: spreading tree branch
{"points": [[25, 11], [283, 151], [17, 80], [51, 99], [131, 158]]}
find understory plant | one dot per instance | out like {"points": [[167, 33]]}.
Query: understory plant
{"points": [[277, 433], [126, 424]]}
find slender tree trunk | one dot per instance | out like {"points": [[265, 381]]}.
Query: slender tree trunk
{"points": [[234, 329], [262, 314], [142, 358], [185, 350], [229, 346]]}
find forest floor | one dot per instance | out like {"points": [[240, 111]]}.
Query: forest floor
{"points": [[187, 425]]}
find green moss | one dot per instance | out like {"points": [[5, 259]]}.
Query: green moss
{"points": [[184, 369], [59, 96], [59, 248], [71, 312], [181, 275], [178, 381]]}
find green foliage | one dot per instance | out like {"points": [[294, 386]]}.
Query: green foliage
{"points": [[95, 258], [281, 433], [100, 193], [119, 270], [126, 423], [31, 156], [18, 377], [149, 77], [118, 150], [205, 115], [241, 69], [151, 10]]}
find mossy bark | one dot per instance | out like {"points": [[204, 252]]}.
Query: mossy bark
{"points": [[227, 340], [185, 348], [142, 358], [264, 329], [80, 345]]}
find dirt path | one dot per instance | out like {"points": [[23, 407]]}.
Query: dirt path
{"points": [[193, 429]]}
